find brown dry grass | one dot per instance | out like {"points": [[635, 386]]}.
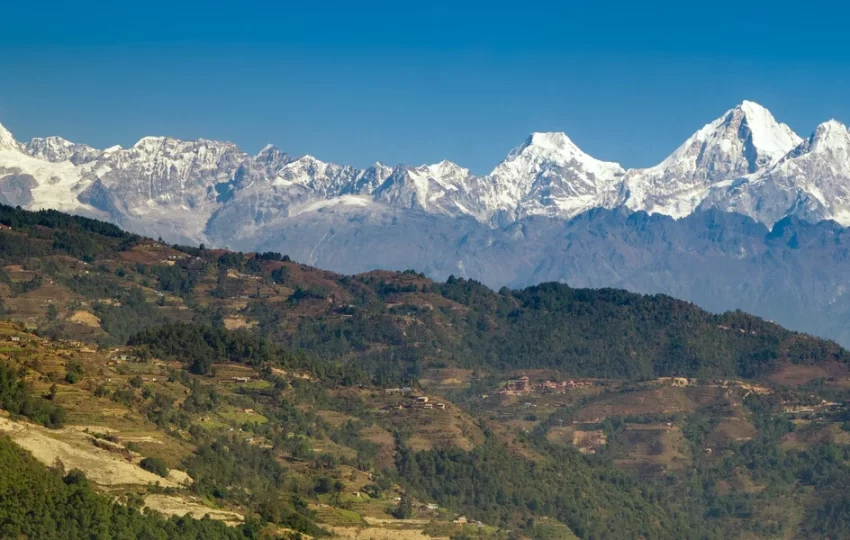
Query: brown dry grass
{"points": [[177, 506], [796, 374], [386, 443], [381, 533], [653, 447], [76, 451], [664, 400], [85, 318]]}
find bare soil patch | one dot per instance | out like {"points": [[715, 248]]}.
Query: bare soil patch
{"points": [[76, 451], [85, 318], [176, 506]]}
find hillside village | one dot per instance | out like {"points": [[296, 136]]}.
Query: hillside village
{"points": [[524, 385]]}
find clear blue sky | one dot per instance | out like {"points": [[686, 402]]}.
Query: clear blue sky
{"points": [[355, 82]]}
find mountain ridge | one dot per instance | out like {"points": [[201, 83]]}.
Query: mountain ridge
{"points": [[739, 162], [696, 226]]}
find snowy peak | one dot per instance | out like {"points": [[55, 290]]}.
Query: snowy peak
{"points": [[771, 139], [7, 140], [369, 179], [444, 171], [812, 182], [740, 142], [744, 141], [551, 143], [555, 147], [547, 175], [434, 188], [57, 149], [271, 160], [326, 179], [552, 154], [830, 137], [270, 154], [744, 161], [170, 146]]}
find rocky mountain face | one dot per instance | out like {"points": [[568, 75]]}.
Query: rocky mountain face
{"points": [[57, 149], [739, 205], [745, 141], [810, 182], [745, 162]]}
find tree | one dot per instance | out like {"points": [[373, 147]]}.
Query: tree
{"points": [[404, 510], [154, 465]]}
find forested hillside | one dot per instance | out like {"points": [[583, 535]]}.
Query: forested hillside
{"points": [[292, 401], [76, 277], [51, 504]]}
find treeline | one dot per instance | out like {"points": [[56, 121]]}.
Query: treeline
{"points": [[604, 333], [77, 236], [199, 347], [18, 218], [48, 504], [614, 333]]}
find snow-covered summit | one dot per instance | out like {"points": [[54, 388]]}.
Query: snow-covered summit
{"points": [[56, 149], [556, 147], [744, 161], [547, 175], [326, 179], [830, 137], [771, 139], [811, 182], [7, 140], [739, 142], [745, 140]]}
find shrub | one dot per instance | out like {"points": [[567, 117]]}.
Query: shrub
{"points": [[154, 465]]}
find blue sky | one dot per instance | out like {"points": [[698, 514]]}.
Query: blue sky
{"points": [[357, 82]]}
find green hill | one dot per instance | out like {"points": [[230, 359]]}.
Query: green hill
{"points": [[75, 277], [275, 388]]}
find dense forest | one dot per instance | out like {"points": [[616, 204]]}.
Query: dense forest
{"points": [[52, 504]]}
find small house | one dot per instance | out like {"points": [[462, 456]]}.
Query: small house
{"points": [[241, 379], [422, 399]]}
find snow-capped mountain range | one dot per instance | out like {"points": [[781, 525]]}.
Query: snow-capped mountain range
{"points": [[736, 217], [744, 162]]}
